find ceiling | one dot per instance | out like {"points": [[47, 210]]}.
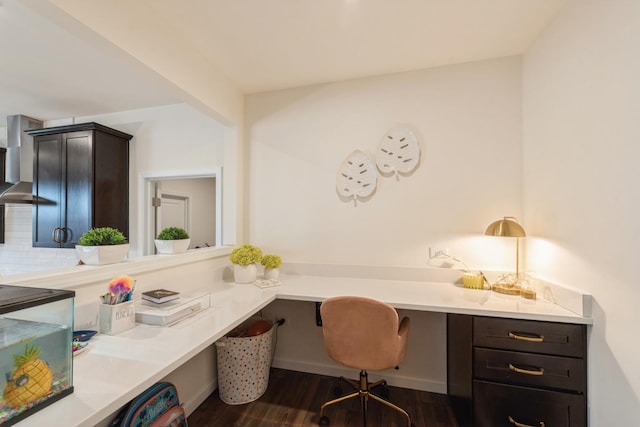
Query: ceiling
{"points": [[48, 73]]}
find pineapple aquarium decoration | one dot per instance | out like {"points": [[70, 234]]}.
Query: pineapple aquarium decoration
{"points": [[30, 380], [36, 361]]}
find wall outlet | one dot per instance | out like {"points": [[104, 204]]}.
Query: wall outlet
{"points": [[438, 252]]}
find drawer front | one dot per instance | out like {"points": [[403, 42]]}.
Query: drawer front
{"points": [[562, 339], [498, 405], [530, 369]]}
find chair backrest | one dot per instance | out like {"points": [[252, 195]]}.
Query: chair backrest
{"points": [[363, 333]]}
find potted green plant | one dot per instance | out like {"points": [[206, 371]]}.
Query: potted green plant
{"points": [[172, 240], [102, 245], [245, 258], [272, 265]]}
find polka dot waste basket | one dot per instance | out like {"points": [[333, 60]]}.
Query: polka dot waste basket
{"points": [[244, 360]]}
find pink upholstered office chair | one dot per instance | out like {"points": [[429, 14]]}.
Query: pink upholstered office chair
{"points": [[364, 334]]}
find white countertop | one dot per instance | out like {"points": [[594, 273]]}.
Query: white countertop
{"points": [[115, 369], [427, 296]]}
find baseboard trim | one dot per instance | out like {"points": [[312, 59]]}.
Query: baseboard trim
{"points": [[393, 379], [197, 398]]}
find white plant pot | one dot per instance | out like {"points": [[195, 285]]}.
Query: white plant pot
{"points": [[172, 246], [100, 255], [271, 273], [245, 273]]}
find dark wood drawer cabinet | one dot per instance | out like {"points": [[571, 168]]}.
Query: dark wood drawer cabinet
{"points": [[537, 370], [525, 335], [506, 372], [512, 406], [80, 181]]}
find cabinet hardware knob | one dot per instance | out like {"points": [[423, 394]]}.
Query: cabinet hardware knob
{"points": [[538, 371], [515, 336], [517, 424]]}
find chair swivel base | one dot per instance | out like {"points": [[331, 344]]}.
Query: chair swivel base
{"points": [[363, 391]]}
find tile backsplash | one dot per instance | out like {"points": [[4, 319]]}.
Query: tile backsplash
{"points": [[17, 256]]}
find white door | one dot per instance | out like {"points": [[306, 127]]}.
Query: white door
{"points": [[172, 210]]}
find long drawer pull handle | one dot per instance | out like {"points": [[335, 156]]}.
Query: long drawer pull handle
{"points": [[515, 336], [538, 372], [517, 424]]}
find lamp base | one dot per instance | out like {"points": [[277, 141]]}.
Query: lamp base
{"points": [[507, 288]]}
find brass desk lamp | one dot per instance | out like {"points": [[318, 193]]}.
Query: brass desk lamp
{"points": [[508, 227]]}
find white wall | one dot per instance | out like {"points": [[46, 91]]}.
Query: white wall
{"points": [[581, 174], [468, 120], [173, 140], [133, 33]]}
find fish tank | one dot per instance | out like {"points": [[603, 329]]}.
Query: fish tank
{"points": [[36, 360]]}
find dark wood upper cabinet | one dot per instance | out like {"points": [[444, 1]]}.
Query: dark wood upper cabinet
{"points": [[80, 181]]}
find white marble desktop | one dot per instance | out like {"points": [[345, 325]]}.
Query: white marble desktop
{"points": [[114, 369]]}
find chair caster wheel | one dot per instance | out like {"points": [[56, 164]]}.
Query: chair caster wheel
{"points": [[384, 391], [337, 391], [324, 421]]}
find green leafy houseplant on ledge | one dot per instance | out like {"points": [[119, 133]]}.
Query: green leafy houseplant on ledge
{"points": [[246, 255], [245, 258], [173, 233], [272, 265], [102, 245], [172, 240], [271, 261], [102, 236]]}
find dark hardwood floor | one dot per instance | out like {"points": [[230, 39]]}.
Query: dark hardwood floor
{"points": [[294, 399]]}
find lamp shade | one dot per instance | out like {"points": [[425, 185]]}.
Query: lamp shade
{"points": [[506, 227]]}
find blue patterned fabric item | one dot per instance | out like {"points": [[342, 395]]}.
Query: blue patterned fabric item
{"points": [[157, 406]]}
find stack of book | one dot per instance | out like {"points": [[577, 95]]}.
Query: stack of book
{"points": [[170, 311], [159, 296]]}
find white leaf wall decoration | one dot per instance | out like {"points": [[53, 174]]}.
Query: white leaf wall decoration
{"points": [[356, 176], [398, 151]]}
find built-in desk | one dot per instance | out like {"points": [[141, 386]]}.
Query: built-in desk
{"points": [[117, 368]]}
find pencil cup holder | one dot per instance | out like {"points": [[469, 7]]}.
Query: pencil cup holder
{"points": [[117, 318]]}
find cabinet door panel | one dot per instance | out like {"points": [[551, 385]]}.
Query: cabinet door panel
{"points": [[47, 172], [111, 182], [77, 195], [460, 366], [3, 152]]}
